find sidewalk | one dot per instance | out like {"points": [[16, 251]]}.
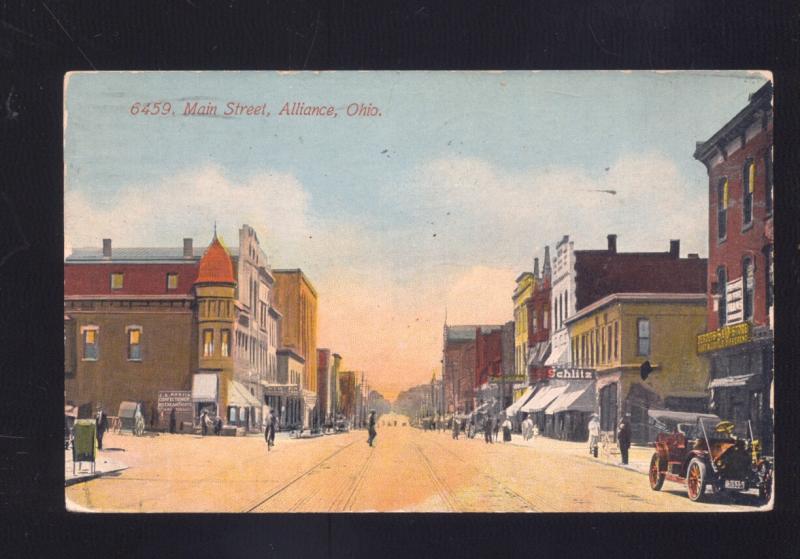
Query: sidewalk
{"points": [[83, 472], [638, 456]]}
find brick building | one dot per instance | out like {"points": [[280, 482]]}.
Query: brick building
{"points": [[739, 342], [459, 368], [539, 329], [488, 362]]}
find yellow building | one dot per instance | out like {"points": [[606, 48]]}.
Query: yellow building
{"points": [[296, 299], [526, 283], [619, 333]]}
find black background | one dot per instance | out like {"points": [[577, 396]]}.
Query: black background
{"points": [[40, 41]]}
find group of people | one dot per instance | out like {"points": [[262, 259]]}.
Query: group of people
{"points": [[623, 436], [206, 423], [529, 428]]}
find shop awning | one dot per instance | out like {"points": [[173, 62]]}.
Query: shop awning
{"points": [[538, 354], [557, 357], [204, 387], [543, 398], [239, 395], [730, 382], [514, 408], [578, 397]]}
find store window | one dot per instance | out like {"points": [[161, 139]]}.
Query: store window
{"points": [[172, 281], [225, 343], [722, 304], [643, 327], [90, 343], [134, 343], [722, 209], [748, 185], [748, 287], [116, 281], [208, 343]]}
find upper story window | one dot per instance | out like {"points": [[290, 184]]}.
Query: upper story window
{"points": [[748, 287], [616, 339], [722, 208], [116, 281], [90, 342], [208, 343], [643, 327], [225, 343], [722, 307], [748, 186], [134, 343], [768, 192], [172, 281]]}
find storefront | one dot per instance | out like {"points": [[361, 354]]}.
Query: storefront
{"points": [[243, 409], [513, 411], [545, 395], [571, 411], [287, 402], [741, 364], [204, 394]]}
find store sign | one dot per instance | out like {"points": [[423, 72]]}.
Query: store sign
{"points": [[572, 374], [179, 400], [734, 302], [727, 336]]}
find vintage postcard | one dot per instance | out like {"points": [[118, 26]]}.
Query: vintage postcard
{"points": [[418, 291]]}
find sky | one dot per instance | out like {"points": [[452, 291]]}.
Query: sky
{"points": [[435, 204]]}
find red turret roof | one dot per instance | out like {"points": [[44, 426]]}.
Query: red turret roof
{"points": [[216, 265]]}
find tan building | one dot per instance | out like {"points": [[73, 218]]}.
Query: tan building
{"points": [[296, 300], [620, 332], [526, 284]]}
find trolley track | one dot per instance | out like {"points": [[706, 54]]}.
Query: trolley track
{"points": [[444, 493]]}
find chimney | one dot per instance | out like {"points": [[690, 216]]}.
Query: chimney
{"points": [[546, 265], [187, 248], [106, 248], [612, 244], [675, 248], [536, 267]]}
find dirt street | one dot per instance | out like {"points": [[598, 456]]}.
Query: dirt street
{"points": [[408, 470]]}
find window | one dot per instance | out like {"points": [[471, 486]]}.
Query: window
{"points": [[225, 343], [748, 281], [768, 192], [768, 268], [748, 185], [610, 342], [722, 306], [208, 343], [616, 340], [172, 281], [722, 208], [116, 281], [566, 304], [643, 326], [134, 343], [90, 352]]}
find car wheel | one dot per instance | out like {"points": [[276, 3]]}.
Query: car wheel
{"points": [[696, 479], [655, 475]]}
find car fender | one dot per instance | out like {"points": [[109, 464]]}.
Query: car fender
{"points": [[702, 455]]}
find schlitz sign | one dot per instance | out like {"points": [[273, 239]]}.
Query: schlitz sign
{"points": [[572, 374]]}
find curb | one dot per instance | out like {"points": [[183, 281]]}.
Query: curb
{"points": [[88, 477]]}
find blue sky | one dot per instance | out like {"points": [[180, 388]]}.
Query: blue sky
{"points": [[462, 180]]}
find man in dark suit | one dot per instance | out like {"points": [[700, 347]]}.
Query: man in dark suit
{"points": [[624, 439], [271, 427], [372, 432], [101, 421]]}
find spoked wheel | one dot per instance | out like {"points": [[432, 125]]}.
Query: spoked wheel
{"points": [[655, 475], [696, 479]]}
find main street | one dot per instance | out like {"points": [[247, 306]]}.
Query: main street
{"points": [[408, 470]]}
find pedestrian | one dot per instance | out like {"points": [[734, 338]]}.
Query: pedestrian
{"points": [[204, 422], [594, 434], [624, 439], [173, 419], [372, 432], [535, 431], [495, 427], [507, 430], [488, 429], [456, 428], [101, 422], [269, 432], [218, 425]]}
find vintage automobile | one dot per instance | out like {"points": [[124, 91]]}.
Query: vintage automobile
{"points": [[701, 450]]}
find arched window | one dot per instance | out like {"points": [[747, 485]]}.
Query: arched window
{"points": [[748, 286], [748, 186], [722, 282], [722, 208]]}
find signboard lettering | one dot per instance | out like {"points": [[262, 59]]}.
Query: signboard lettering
{"points": [[572, 374], [180, 400], [734, 309], [727, 336]]}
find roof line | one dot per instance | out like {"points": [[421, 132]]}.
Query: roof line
{"points": [[646, 297]]}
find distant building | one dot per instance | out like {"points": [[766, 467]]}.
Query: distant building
{"points": [[288, 396], [488, 363], [347, 395], [739, 341], [459, 368], [526, 283], [326, 385], [539, 320]]}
